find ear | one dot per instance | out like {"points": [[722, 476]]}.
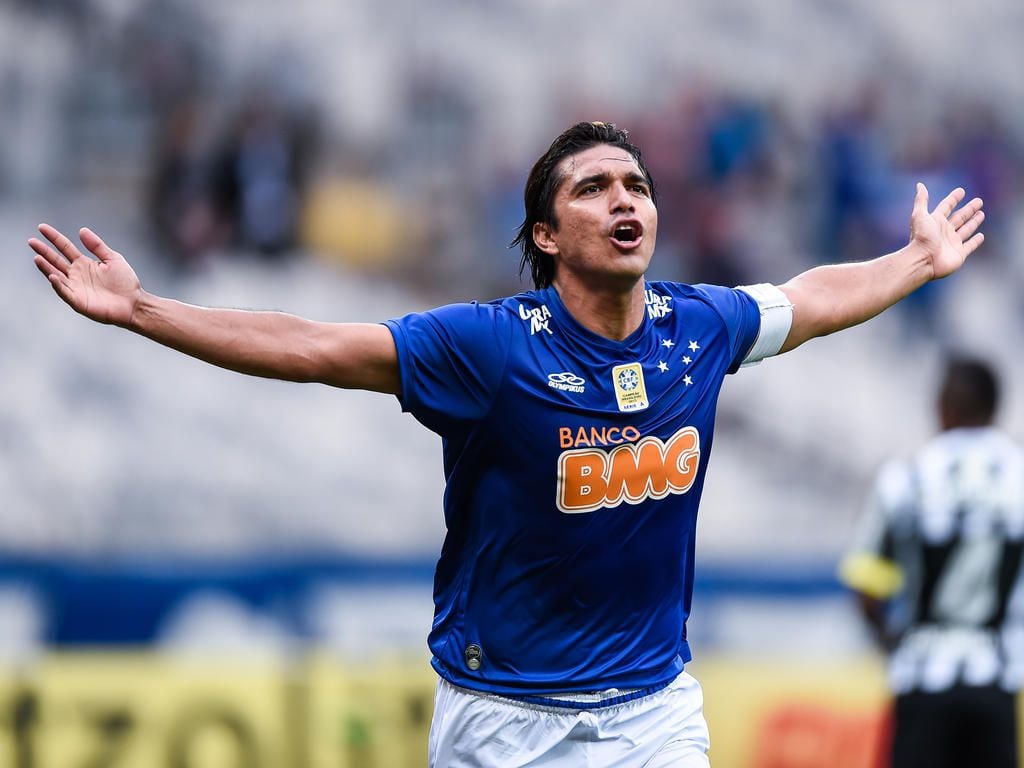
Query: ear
{"points": [[542, 237]]}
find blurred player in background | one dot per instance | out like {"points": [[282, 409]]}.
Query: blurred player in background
{"points": [[936, 556], [577, 421]]}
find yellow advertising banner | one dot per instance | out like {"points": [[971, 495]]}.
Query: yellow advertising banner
{"points": [[369, 714], [144, 710]]}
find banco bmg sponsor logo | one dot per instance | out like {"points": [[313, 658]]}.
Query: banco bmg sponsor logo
{"points": [[567, 382]]}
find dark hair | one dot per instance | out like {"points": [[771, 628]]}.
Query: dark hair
{"points": [[543, 183], [970, 393]]}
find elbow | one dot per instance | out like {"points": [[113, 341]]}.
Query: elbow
{"points": [[804, 332], [298, 364], [305, 366]]}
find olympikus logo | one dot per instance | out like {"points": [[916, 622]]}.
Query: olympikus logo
{"points": [[590, 479], [567, 382]]}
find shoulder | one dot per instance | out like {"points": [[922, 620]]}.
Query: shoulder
{"points": [[520, 304], [460, 314], [718, 298], [1002, 442], [477, 329], [730, 311], [895, 484], [895, 476], [680, 291], [955, 444]]}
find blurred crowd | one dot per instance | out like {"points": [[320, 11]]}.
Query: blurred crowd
{"points": [[243, 156], [746, 192]]}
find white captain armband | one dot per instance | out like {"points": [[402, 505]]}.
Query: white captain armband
{"points": [[776, 320]]}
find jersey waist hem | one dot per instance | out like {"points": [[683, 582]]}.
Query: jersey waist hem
{"points": [[625, 687]]}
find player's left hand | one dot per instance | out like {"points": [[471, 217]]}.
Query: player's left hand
{"points": [[948, 234], [105, 288]]}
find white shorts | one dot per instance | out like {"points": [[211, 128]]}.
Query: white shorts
{"points": [[665, 728]]}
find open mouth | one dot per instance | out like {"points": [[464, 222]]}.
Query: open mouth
{"points": [[626, 233]]}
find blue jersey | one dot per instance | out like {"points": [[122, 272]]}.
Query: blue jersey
{"points": [[574, 467]]}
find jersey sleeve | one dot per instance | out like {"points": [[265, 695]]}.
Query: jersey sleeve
{"points": [[450, 360], [742, 318]]}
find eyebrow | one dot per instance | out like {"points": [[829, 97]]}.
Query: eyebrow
{"points": [[632, 177]]}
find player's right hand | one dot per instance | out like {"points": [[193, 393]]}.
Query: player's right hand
{"points": [[105, 288]]}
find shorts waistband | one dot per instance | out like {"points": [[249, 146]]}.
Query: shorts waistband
{"points": [[588, 700]]}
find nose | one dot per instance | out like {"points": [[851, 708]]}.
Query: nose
{"points": [[621, 199]]}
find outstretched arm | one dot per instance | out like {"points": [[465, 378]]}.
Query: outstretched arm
{"points": [[270, 344], [830, 298]]}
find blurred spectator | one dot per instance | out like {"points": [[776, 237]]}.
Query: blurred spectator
{"points": [[260, 174], [934, 562], [719, 159], [185, 223], [990, 165], [854, 165]]}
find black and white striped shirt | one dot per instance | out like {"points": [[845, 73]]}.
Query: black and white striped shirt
{"points": [[942, 536]]}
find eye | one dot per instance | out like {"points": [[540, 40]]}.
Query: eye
{"points": [[590, 189], [640, 189]]}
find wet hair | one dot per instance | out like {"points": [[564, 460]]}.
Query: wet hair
{"points": [[544, 181], [969, 395]]}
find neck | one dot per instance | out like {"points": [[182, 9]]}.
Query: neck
{"points": [[612, 313]]}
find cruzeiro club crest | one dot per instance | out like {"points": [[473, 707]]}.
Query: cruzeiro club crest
{"points": [[630, 391]]}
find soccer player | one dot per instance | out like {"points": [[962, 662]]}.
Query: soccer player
{"points": [[936, 556], [577, 421]]}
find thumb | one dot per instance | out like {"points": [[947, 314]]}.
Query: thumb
{"points": [[921, 200], [95, 244]]}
